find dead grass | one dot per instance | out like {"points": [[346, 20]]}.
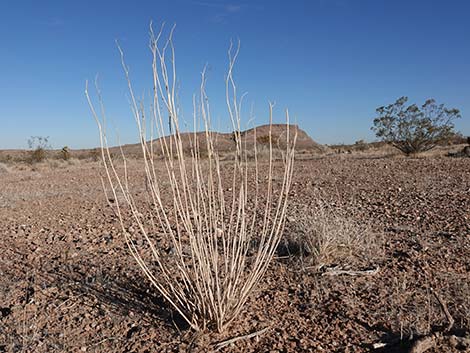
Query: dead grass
{"points": [[325, 236], [4, 169]]}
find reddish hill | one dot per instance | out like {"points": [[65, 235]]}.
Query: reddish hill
{"points": [[224, 142]]}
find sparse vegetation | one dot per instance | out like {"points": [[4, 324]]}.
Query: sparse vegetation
{"points": [[413, 129], [168, 228], [95, 154], [466, 149], [263, 140], [4, 169], [210, 223], [360, 145], [327, 236], [38, 145], [65, 153]]}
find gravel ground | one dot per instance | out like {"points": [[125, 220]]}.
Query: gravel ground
{"points": [[68, 283]]}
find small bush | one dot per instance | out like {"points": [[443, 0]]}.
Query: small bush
{"points": [[38, 146], [263, 140], [360, 145], [466, 151], [4, 169], [7, 158], [325, 236], [95, 154], [65, 153]]}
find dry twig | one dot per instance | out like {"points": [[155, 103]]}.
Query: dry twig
{"points": [[226, 343], [449, 317], [338, 271]]}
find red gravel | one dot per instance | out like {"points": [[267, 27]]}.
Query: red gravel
{"points": [[68, 283]]}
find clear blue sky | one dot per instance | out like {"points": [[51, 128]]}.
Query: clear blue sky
{"points": [[331, 62]]}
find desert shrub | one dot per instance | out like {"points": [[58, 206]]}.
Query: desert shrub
{"points": [[266, 139], [263, 140], [454, 138], [95, 154], [466, 151], [413, 129], [325, 236], [37, 148], [37, 155], [4, 169], [65, 153], [360, 145], [54, 164], [6, 158], [202, 261]]}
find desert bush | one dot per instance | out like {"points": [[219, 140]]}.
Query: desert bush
{"points": [[466, 151], [200, 261], [65, 153], [4, 169], [95, 154], [38, 146], [6, 158], [413, 129], [325, 236], [360, 145], [263, 140]]}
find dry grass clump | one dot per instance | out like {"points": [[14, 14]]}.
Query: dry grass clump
{"points": [[327, 236], [192, 232], [4, 169]]}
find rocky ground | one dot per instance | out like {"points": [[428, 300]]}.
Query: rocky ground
{"points": [[68, 283]]}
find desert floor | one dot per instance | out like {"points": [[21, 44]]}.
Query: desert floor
{"points": [[68, 283]]}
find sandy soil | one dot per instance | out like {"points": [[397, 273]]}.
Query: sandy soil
{"points": [[68, 283]]}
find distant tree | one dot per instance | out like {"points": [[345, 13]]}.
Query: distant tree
{"points": [[414, 129]]}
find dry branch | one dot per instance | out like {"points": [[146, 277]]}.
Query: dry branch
{"points": [[338, 271], [449, 317], [226, 343]]}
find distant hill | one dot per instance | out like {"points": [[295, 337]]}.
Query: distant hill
{"points": [[224, 142]]}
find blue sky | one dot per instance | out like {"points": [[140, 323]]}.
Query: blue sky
{"points": [[331, 62]]}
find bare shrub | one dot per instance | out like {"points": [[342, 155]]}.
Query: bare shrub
{"points": [[4, 169], [361, 146], [95, 154], [6, 158], [264, 139], [65, 153], [38, 146], [328, 236], [192, 237], [466, 151]]}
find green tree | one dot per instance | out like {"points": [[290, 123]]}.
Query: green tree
{"points": [[414, 129]]}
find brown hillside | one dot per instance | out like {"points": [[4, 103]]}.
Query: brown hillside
{"points": [[224, 142]]}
